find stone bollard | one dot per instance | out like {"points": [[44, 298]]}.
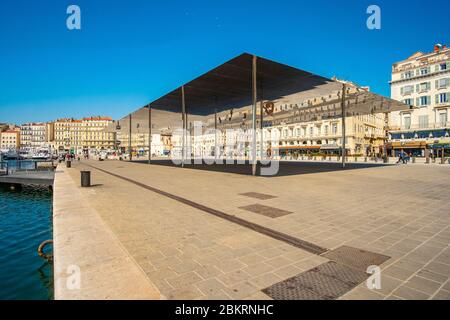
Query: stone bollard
{"points": [[413, 159], [68, 164], [427, 160], [85, 179]]}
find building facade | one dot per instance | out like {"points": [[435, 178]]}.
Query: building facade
{"points": [[10, 140], [36, 135], [83, 135], [423, 82]]}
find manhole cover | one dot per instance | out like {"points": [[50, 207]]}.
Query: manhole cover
{"points": [[327, 281], [257, 195], [267, 211], [356, 258]]}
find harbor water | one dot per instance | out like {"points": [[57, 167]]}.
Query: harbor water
{"points": [[25, 221]]}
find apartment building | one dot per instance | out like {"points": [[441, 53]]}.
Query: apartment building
{"points": [[423, 82], [10, 140], [36, 135], [83, 135]]}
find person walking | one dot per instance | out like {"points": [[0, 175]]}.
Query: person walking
{"points": [[400, 157]]}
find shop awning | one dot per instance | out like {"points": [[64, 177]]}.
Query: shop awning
{"points": [[330, 147], [439, 145], [408, 145], [298, 147]]}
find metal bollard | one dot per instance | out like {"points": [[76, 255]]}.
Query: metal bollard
{"points": [[85, 179], [68, 164]]}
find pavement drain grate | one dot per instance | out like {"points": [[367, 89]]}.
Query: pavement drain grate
{"points": [[267, 211], [257, 195], [327, 281], [356, 258]]}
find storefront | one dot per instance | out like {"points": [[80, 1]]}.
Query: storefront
{"points": [[295, 151], [439, 149], [331, 149], [415, 148]]}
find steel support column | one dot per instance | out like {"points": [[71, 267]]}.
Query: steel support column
{"points": [[215, 135], [343, 151], [183, 117], [129, 140], [149, 134], [254, 98]]}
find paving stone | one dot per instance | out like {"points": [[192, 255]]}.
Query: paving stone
{"points": [[398, 273], [422, 284], [442, 295], [440, 268], [410, 294], [424, 273]]}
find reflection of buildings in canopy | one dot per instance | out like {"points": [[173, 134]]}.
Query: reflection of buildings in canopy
{"points": [[298, 112]]}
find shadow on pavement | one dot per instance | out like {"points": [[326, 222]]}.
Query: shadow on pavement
{"points": [[286, 168]]}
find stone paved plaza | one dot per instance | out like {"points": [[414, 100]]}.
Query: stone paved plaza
{"points": [[401, 211]]}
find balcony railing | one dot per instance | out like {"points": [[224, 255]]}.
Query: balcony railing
{"points": [[416, 126]]}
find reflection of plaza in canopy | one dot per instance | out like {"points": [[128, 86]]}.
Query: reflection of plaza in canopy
{"points": [[223, 98]]}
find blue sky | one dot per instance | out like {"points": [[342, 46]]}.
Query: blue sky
{"points": [[130, 52]]}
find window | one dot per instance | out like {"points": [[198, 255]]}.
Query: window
{"points": [[443, 97], [424, 71], [423, 101], [423, 122], [408, 101], [443, 83], [424, 86], [311, 131], [408, 75], [407, 90], [443, 66], [326, 130], [443, 118], [406, 121], [334, 128]]}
